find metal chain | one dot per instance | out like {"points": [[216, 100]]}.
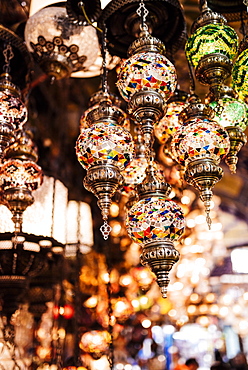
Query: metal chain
{"points": [[142, 13], [8, 55], [246, 4]]}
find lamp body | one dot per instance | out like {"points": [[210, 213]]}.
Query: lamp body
{"points": [[169, 124], [155, 222], [147, 71], [12, 109], [60, 46], [231, 114], [103, 141], [211, 39], [200, 138]]}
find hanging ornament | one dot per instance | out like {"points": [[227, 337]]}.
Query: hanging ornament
{"points": [[155, 222], [199, 145], [20, 176], [13, 112], [104, 150], [147, 79], [211, 48], [95, 343], [232, 114]]}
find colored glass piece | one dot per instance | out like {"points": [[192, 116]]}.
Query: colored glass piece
{"points": [[147, 71], [155, 218], [210, 39], [103, 141]]}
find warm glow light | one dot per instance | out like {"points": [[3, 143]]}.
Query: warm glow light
{"points": [[146, 323], [114, 210], [239, 257], [191, 309]]}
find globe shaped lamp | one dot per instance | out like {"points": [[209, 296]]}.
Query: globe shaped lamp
{"points": [[58, 44], [104, 149], [231, 113], [155, 222], [211, 48], [199, 145]]}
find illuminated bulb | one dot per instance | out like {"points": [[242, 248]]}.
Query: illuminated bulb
{"points": [[194, 297], [146, 323], [91, 302], [203, 308], [210, 297], [191, 309], [214, 309], [114, 210], [223, 312]]}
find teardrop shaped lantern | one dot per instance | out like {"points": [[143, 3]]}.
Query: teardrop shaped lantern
{"points": [[155, 222], [211, 48], [199, 145], [104, 149], [232, 114]]}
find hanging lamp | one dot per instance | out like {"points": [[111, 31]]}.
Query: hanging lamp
{"points": [[20, 176], [231, 113], [147, 79], [211, 48], [104, 149], [62, 44], [199, 145], [13, 112], [155, 222]]}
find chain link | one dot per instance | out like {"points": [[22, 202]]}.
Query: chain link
{"points": [[142, 12], [8, 55]]}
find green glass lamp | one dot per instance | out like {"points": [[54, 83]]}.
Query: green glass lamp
{"points": [[231, 113], [211, 48]]}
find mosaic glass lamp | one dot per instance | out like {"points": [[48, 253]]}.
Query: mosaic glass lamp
{"points": [[231, 113], [155, 222], [104, 149], [146, 80], [168, 125], [211, 48], [199, 145], [20, 176], [59, 45]]}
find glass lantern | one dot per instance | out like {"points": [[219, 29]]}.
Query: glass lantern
{"points": [[59, 45]]}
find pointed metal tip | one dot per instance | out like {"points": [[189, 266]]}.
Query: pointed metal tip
{"points": [[164, 291]]}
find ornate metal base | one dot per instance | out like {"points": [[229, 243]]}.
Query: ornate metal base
{"points": [[103, 180], [237, 140], [213, 70], [203, 174], [146, 107], [55, 68], [17, 200], [160, 256]]}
